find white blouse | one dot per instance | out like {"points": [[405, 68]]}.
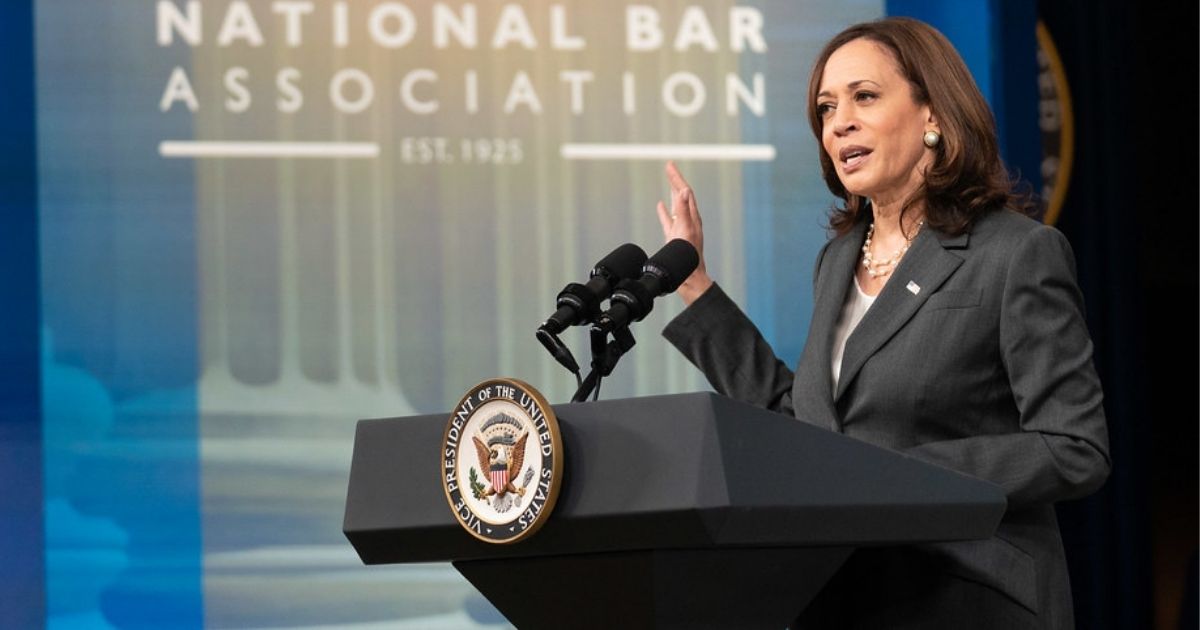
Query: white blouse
{"points": [[853, 310]]}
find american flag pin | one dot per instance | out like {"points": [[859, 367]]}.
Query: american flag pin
{"points": [[913, 287]]}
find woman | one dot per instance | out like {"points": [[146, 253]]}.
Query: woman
{"points": [[946, 325]]}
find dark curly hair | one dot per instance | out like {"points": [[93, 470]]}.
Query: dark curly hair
{"points": [[967, 178]]}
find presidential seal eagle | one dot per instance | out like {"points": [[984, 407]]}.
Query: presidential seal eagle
{"points": [[502, 458]]}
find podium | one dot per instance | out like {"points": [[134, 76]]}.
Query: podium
{"points": [[680, 511]]}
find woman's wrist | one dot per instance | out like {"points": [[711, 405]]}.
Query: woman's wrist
{"points": [[694, 287]]}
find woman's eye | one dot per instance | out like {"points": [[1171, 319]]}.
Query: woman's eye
{"points": [[864, 96], [824, 109]]}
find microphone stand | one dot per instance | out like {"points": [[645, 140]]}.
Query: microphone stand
{"points": [[605, 355], [559, 351]]}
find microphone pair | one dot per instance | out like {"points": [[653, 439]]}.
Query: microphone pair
{"points": [[629, 280]]}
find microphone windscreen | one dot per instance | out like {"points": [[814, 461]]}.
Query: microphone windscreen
{"points": [[623, 262], [672, 264]]}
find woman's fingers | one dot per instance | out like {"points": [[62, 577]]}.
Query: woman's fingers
{"points": [[683, 198], [664, 219], [692, 210], [683, 221], [681, 193], [675, 178]]}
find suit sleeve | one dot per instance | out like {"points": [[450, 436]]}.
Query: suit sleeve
{"points": [[717, 337], [1061, 448]]}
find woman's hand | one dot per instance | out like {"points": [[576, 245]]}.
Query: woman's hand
{"points": [[683, 221]]}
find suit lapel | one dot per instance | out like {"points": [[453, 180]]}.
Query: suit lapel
{"points": [[924, 268], [837, 271]]}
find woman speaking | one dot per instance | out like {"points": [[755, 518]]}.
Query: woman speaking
{"points": [[946, 325]]}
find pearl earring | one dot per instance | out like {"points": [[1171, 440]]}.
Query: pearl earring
{"points": [[932, 138]]}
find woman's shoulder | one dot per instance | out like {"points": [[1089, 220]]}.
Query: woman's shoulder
{"points": [[1007, 228], [1017, 246], [1005, 222]]}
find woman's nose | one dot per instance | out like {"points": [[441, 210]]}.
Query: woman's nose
{"points": [[843, 122]]}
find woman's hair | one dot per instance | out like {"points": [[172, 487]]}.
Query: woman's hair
{"points": [[967, 178]]}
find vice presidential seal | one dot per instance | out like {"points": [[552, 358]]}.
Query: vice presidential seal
{"points": [[502, 461]]}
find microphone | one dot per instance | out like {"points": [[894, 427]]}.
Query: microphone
{"points": [[663, 273], [579, 303]]}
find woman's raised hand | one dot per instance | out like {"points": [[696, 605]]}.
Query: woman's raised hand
{"points": [[683, 221]]}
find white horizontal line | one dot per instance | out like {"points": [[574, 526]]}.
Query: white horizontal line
{"points": [[206, 149], [727, 152]]}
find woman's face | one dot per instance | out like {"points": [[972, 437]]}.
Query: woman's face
{"points": [[871, 127]]}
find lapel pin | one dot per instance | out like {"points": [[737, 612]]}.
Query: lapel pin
{"points": [[913, 287]]}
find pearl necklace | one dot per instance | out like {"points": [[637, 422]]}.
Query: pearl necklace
{"points": [[881, 269]]}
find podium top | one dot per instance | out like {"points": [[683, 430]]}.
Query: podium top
{"points": [[686, 471]]}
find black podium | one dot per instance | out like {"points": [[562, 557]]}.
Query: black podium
{"points": [[683, 511]]}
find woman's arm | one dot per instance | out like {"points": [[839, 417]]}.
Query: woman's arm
{"points": [[718, 338], [1061, 450]]}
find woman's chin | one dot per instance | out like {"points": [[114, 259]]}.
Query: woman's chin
{"points": [[859, 190]]}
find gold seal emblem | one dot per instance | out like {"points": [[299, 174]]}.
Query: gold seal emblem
{"points": [[502, 460]]}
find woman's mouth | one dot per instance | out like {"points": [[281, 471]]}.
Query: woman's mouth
{"points": [[853, 157]]}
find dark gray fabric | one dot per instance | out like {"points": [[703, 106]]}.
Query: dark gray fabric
{"points": [[985, 369]]}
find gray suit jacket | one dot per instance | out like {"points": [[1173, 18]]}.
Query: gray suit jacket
{"points": [[975, 356]]}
